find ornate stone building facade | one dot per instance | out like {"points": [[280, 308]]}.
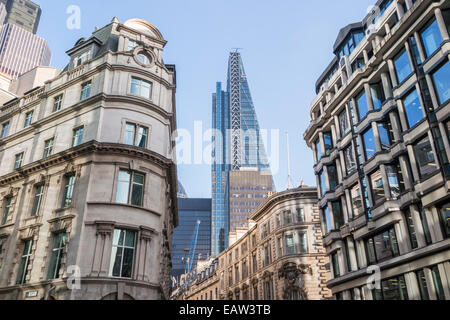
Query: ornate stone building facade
{"points": [[380, 129], [88, 182], [279, 257]]}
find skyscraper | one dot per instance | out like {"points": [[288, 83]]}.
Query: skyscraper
{"points": [[238, 148], [23, 13], [21, 51]]}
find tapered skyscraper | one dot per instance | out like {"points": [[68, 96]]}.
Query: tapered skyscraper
{"points": [[241, 177]]}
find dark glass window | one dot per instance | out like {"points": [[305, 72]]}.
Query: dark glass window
{"points": [[59, 245], [382, 247], [431, 37], [335, 263], [338, 215], [37, 201], [357, 204], [396, 181], [413, 109], [361, 104], [394, 289], [386, 134], [415, 50], [402, 66], [411, 229], [437, 283], [423, 286], [24, 262], [378, 97], [350, 160], [425, 225], [376, 181], [130, 188], [444, 213], [425, 157], [68, 190], [370, 147], [328, 141], [7, 203], [442, 153], [441, 78], [332, 176]]}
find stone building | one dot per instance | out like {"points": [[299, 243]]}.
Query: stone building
{"points": [[278, 257], [379, 131], [88, 182]]}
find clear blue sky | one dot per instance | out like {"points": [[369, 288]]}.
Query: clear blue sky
{"points": [[286, 46]]}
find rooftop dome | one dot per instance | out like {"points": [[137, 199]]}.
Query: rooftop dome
{"points": [[144, 27]]}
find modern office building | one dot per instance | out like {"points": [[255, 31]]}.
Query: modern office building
{"points": [[24, 14], [279, 256], [192, 238], [238, 147], [88, 179], [21, 51], [379, 131]]}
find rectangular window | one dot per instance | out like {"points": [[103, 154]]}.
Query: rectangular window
{"points": [[122, 256], [370, 147], [141, 88], [378, 97], [332, 176], [350, 160], [37, 201], [344, 123], [411, 229], [444, 217], [382, 247], [130, 188], [301, 215], [328, 141], [386, 134], [423, 286], [327, 220], [362, 105], [442, 153], [48, 148], [377, 185], [133, 139], [24, 262], [402, 66], [439, 289], [394, 289], [77, 137], [303, 243], [357, 203], [287, 217], [6, 209], [425, 157], [396, 181], [57, 103], [59, 245], [323, 186], [338, 215], [68, 190], [431, 37], [18, 161], [28, 119], [413, 109], [86, 90], [335, 263], [441, 79], [426, 228], [318, 150], [290, 247], [5, 128]]}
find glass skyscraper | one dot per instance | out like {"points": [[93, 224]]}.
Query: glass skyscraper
{"points": [[238, 147]]}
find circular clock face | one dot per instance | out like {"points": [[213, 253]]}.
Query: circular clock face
{"points": [[144, 58]]}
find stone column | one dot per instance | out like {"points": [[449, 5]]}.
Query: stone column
{"points": [[339, 170], [352, 254], [366, 57], [412, 286], [402, 237], [418, 227], [322, 144], [361, 253], [387, 89], [419, 46], [412, 159], [387, 189], [368, 96], [376, 135], [445, 138], [406, 172], [392, 73], [409, 4], [430, 284], [349, 205], [434, 97], [387, 28], [400, 11], [441, 23], [339, 134], [395, 122], [444, 271]]}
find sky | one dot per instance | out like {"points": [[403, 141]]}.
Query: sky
{"points": [[286, 45]]}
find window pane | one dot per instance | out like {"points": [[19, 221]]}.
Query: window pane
{"points": [[431, 38], [423, 286], [377, 92], [326, 216], [445, 219], [350, 160], [318, 150], [363, 107], [337, 215], [402, 66], [370, 147], [356, 201], [425, 157], [142, 138], [377, 187], [438, 283], [332, 177], [395, 177], [123, 187], [328, 141], [129, 134], [343, 122], [323, 186], [442, 83], [37, 200], [413, 109], [138, 190], [386, 134]]}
